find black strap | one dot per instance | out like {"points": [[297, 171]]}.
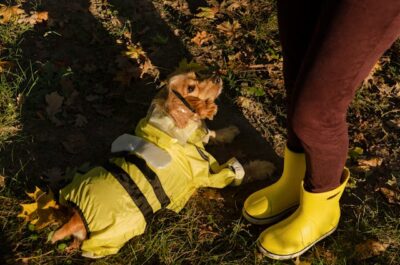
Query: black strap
{"points": [[184, 101], [206, 158], [151, 177], [133, 190]]}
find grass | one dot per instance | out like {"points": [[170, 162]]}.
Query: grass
{"points": [[208, 231]]}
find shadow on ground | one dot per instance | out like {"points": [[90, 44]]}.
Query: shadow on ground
{"points": [[76, 56]]}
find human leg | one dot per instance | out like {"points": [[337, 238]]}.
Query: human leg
{"points": [[344, 50], [297, 23]]}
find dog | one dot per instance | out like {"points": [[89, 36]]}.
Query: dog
{"points": [[159, 167]]}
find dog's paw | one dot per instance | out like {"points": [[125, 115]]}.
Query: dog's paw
{"points": [[258, 170], [225, 135]]}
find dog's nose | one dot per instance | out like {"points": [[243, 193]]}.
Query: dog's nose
{"points": [[216, 79]]}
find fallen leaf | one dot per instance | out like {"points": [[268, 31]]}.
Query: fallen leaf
{"points": [[355, 152], [80, 120], [373, 162], [228, 28], [201, 38], [370, 248], [134, 52], [2, 181], [393, 182], [7, 12], [148, 68], [6, 66], [43, 211], [391, 195], [74, 143], [34, 18], [207, 12], [237, 4], [54, 102]]}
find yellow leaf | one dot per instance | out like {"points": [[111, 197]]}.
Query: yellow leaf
{"points": [[134, 52], [43, 212], [207, 12], [28, 210], [7, 12], [36, 194]]}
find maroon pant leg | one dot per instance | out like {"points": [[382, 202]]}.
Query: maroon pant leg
{"points": [[349, 38], [297, 22]]}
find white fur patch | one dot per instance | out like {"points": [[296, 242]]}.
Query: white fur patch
{"points": [[225, 135]]}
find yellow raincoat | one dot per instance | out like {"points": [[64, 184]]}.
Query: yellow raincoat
{"points": [[117, 199]]}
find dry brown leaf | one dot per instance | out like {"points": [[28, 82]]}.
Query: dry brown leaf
{"points": [[35, 17], [74, 143], [228, 28], [7, 12], [54, 102], [368, 164], [235, 4], [208, 12], [148, 68], [374, 162], [201, 38], [370, 248], [391, 195], [2, 181], [6, 66], [80, 120]]}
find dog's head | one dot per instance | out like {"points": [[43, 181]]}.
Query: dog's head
{"points": [[190, 98]]}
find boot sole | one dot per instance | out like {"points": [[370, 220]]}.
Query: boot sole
{"points": [[269, 220], [294, 255]]}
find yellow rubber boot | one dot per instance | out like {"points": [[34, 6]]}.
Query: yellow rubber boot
{"points": [[273, 203], [316, 218]]}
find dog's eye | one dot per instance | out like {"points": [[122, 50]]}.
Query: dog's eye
{"points": [[191, 89]]}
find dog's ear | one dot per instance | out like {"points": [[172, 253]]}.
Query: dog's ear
{"points": [[177, 110], [206, 109], [177, 82]]}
